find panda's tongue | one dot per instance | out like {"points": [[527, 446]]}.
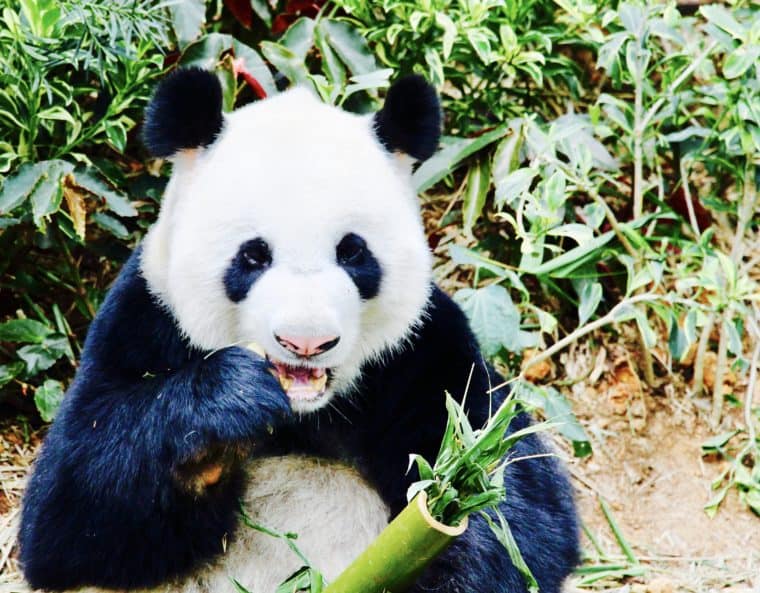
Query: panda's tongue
{"points": [[301, 382]]}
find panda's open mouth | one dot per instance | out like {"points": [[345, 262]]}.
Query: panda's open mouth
{"points": [[302, 383]]}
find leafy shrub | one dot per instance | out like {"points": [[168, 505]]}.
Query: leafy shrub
{"points": [[74, 77], [491, 60]]}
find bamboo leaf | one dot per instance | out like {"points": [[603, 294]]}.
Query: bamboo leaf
{"points": [[454, 151], [477, 186]]}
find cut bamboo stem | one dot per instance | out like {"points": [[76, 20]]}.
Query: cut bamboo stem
{"points": [[399, 554]]}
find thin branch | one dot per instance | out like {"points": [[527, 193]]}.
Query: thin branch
{"points": [[676, 83], [609, 318], [688, 200]]}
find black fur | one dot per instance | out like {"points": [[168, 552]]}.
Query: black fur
{"points": [[250, 262], [410, 120], [104, 507], [185, 112], [356, 259]]}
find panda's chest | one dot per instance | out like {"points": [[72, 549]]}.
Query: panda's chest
{"points": [[331, 508]]}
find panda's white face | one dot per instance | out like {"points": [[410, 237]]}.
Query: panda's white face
{"points": [[295, 230]]}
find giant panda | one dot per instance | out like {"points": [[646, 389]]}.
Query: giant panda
{"points": [[292, 225]]}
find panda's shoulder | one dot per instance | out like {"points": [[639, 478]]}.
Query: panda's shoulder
{"points": [[133, 329]]}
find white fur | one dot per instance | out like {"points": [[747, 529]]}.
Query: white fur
{"points": [[335, 513], [301, 175]]}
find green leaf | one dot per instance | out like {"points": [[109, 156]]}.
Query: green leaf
{"points": [[633, 18], [558, 410], [110, 224], [455, 150], [481, 43], [435, 67], [40, 182], [9, 371], [493, 317], [717, 442], [372, 80], [261, 8], [350, 46], [711, 508], [721, 17], [504, 535], [677, 341], [117, 135], [647, 333], [590, 296], [299, 38], [740, 60], [26, 331], [449, 32], [565, 264], [254, 65], [510, 187], [476, 189], [47, 195], [331, 65], [238, 587], [37, 358], [117, 202], [206, 52], [48, 398], [188, 18], [286, 62]]}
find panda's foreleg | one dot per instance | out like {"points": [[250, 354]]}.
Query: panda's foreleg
{"points": [[126, 492]]}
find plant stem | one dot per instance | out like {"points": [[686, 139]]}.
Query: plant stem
{"points": [[586, 329], [744, 214], [699, 358], [638, 153], [720, 371], [749, 395], [676, 83], [688, 200]]}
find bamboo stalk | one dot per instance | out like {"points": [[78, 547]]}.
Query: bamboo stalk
{"points": [[399, 554]]}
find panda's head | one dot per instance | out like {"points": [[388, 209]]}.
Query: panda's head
{"points": [[292, 225]]}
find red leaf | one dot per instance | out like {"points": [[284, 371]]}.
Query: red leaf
{"points": [[239, 69], [281, 23], [241, 10]]}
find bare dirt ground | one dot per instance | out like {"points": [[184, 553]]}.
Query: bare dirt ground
{"points": [[648, 466]]}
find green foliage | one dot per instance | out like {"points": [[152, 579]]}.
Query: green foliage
{"points": [[468, 473], [489, 59], [74, 78]]}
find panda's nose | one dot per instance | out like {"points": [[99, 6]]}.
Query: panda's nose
{"points": [[307, 346]]}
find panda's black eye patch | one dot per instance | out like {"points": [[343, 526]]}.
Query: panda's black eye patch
{"points": [[351, 250], [256, 253], [252, 259], [355, 257]]}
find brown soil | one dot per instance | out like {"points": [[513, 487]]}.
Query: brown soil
{"points": [[648, 466]]}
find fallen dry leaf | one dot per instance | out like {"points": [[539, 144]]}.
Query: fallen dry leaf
{"points": [[539, 371]]}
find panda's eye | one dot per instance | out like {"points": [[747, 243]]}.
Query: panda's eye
{"points": [[351, 250], [256, 253]]}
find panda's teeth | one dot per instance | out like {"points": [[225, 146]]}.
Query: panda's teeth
{"points": [[286, 382], [319, 382]]}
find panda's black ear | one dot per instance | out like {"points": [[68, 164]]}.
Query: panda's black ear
{"points": [[410, 120], [184, 113]]}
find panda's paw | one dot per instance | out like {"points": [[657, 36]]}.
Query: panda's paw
{"points": [[250, 401]]}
